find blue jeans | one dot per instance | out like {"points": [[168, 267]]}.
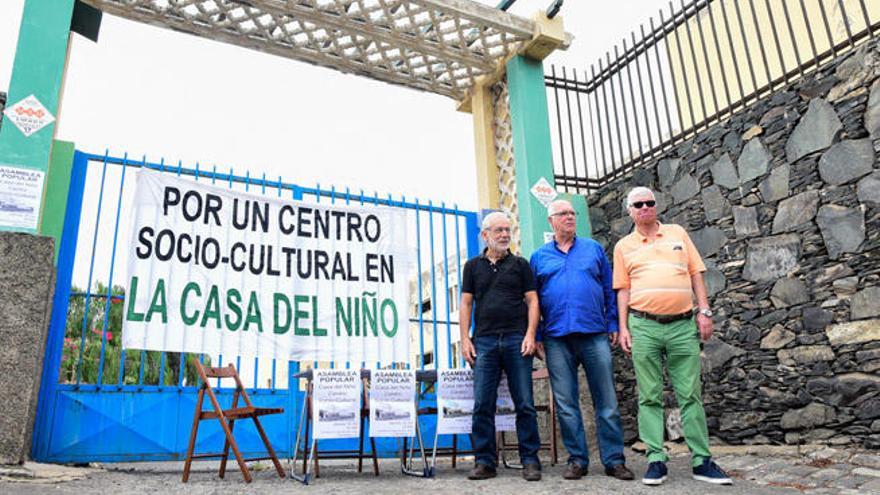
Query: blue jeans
{"points": [[593, 352], [497, 353]]}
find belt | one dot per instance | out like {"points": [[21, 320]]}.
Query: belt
{"points": [[664, 319]]}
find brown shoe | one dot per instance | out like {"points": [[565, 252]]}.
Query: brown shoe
{"points": [[482, 472], [620, 472], [574, 472], [531, 472]]}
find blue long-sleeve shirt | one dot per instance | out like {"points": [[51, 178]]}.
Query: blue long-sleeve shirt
{"points": [[574, 289]]}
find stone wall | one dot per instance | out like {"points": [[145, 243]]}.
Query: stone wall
{"points": [[27, 283], [783, 201]]}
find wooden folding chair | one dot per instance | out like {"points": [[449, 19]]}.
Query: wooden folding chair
{"points": [[227, 419]]}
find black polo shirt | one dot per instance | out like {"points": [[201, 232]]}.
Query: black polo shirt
{"points": [[504, 309]]}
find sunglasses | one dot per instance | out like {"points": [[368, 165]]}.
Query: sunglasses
{"points": [[638, 204]]}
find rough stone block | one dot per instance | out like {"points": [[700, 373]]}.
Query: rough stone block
{"points": [[666, 170], [724, 173], [814, 414], [769, 258], [709, 240], [843, 229], [27, 283], [715, 205], [778, 338], [685, 188], [805, 354], [854, 332], [815, 131], [789, 292], [753, 161], [865, 304], [872, 114], [795, 211], [745, 221], [847, 160], [775, 187], [869, 188]]}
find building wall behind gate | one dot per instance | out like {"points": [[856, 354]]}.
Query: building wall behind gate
{"points": [[783, 201]]}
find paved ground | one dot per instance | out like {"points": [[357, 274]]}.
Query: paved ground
{"points": [[756, 470]]}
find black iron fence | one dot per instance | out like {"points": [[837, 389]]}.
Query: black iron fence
{"points": [[687, 70]]}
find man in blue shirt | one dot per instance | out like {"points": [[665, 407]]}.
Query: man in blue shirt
{"points": [[578, 319]]}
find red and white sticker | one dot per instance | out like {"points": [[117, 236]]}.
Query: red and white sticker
{"points": [[29, 115], [544, 192]]}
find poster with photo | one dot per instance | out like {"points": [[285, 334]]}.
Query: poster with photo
{"points": [[505, 412], [336, 404], [455, 401], [392, 403]]}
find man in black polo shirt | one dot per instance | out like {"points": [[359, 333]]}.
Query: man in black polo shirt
{"points": [[505, 321]]}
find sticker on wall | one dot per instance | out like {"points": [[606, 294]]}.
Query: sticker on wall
{"points": [[548, 236], [544, 192], [29, 115]]}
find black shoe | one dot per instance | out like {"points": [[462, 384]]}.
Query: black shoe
{"points": [[620, 472], [531, 472], [482, 472], [574, 471]]}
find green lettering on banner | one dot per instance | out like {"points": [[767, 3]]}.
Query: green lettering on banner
{"points": [[189, 320], [298, 314], [316, 330], [212, 308], [158, 304], [254, 315], [233, 302], [369, 315], [343, 316], [131, 314], [279, 299], [389, 303]]}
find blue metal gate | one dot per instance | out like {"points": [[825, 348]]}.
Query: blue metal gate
{"points": [[99, 402]]}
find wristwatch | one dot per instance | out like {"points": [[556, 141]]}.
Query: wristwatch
{"points": [[706, 312]]}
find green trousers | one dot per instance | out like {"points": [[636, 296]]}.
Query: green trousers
{"points": [[679, 343]]}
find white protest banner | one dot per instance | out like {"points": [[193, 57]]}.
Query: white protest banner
{"points": [[505, 413], [455, 401], [336, 403], [392, 403], [217, 271]]}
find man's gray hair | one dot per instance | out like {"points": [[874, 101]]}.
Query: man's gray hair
{"points": [[493, 217], [636, 191], [554, 206]]}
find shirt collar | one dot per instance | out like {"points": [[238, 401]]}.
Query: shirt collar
{"points": [[642, 238], [573, 242], [486, 251]]}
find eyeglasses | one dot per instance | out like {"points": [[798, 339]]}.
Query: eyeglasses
{"points": [[569, 213], [638, 204], [498, 230]]}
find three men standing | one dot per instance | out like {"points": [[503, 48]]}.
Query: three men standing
{"points": [[579, 316], [506, 319], [657, 272]]}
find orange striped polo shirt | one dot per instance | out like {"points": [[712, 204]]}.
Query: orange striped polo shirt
{"points": [[658, 273]]}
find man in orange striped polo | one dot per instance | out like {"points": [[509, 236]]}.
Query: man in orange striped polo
{"points": [[657, 273]]}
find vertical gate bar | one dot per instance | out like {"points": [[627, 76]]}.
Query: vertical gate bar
{"points": [[376, 203], [122, 353], [827, 28], [849, 35], [109, 298], [742, 32], [632, 95], [598, 119], [662, 79], [458, 269], [558, 118], [91, 270], [586, 160], [809, 34], [618, 136], [421, 308], [570, 128], [611, 73], [592, 128], [791, 35], [761, 47], [705, 51], [642, 93], [318, 201], [446, 287], [54, 352], [623, 102], [684, 77], [650, 74], [433, 285], [742, 91], [721, 64], [866, 18], [776, 39], [687, 28], [348, 351]]}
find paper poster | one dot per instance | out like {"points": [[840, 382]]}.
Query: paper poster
{"points": [[336, 404], [21, 190], [544, 192], [29, 115], [455, 401], [505, 412], [392, 403]]}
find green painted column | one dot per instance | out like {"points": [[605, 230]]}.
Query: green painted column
{"points": [[57, 187], [38, 70]]}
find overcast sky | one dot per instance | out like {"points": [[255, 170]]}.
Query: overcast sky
{"points": [[143, 89]]}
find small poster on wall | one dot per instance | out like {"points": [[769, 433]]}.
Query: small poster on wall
{"points": [[336, 404], [392, 403]]}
